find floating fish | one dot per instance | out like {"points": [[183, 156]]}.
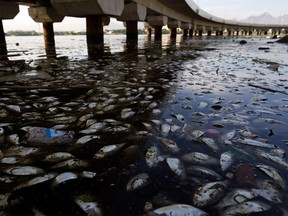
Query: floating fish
{"points": [[138, 181], [272, 173], [23, 170], [226, 160], [235, 197], [203, 172], [88, 204], [109, 150], [58, 156], [197, 133], [200, 158], [177, 167], [152, 156], [246, 208], [37, 180], [209, 193], [256, 143], [268, 190], [64, 177], [86, 139], [226, 138], [275, 159], [71, 164], [179, 209], [210, 142], [170, 145]]}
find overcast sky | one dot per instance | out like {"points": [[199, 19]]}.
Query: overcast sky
{"points": [[227, 9]]}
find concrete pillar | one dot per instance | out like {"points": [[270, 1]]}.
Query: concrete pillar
{"points": [[48, 33], [8, 10], [250, 32], [173, 33], [190, 32], [47, 16], [95, 36], [209, 33], [158, 33], [132, 34], [3, 48], [149, 32], [200, 33], [185, 32], [229, 33]]}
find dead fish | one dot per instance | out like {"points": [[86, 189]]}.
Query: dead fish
{"points": [[272, 173], [197, 133], [127, 113], [272, 158], [177, 167], [37, 180], [88, 204], [256, 143], [209, 193], [246, 208], [71, 164], [14, 108], [23, 170], [202, 105], [179, 209], [235, 197], [10, 160], [138, 181], [165, 129], [210, 142], [170, 145], [226, 138], [109, 150], [13, 139], [152, 156], [200, 158], [278, 152], [58, 156], [64, 177], [226, 160], [203, 172], [86, 139], [268, 190], [179, 117], [20, 151]]}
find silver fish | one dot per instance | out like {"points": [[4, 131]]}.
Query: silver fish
{"points": [[64, 177], [23, 170], [37, 180], [200, 158], [226, 160], [170, 145], [272, 173], [71, 164], [203, 172], [88, 204], [210, 142], [278, 160], [58, 156], [179, 209], [152, 156], [86, 139], [108, 150], [246, 208], [177, 167], [209, 193], [138, 181], [256, 143], [235, 197]]}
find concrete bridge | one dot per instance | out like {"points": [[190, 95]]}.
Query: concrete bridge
{"points": [[184, 14]]}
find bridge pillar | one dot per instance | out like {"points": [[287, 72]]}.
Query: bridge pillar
{"points": [[209, 33], [185, 33], [158, 33], [3, 48], [157, 22], [131, 14], [191, 32], [46, 16], [173, 25], [94, 35], [8, 10], [173, 33], [185, 27], [200, 33]]}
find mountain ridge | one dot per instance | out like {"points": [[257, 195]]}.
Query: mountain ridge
{"points": [[266, 18]]}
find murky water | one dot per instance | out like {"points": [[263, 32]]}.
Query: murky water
{"points": [[144, 124]]}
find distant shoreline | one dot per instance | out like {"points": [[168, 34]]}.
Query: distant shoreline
{"points": [[64, 33]]}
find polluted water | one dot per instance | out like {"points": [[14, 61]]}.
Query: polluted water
{"points": [[185, 127]]}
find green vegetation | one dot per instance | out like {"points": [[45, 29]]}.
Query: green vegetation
{"points": [[114, 32]]}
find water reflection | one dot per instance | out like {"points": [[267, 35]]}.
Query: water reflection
{"points": [[168, 119]]}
